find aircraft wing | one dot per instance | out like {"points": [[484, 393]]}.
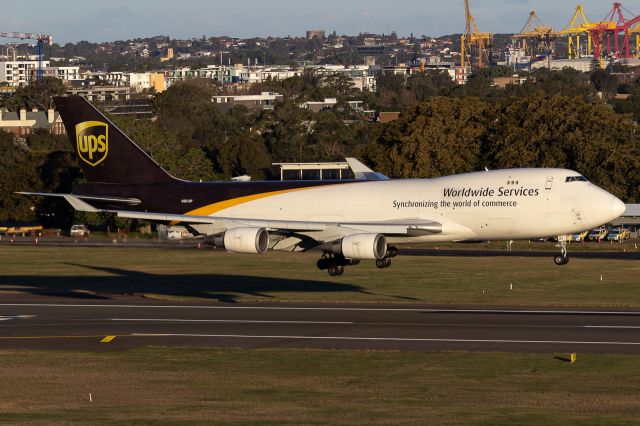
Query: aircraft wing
{"points": [[411, 227], [408, 227]]}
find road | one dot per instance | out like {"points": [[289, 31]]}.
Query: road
{"points": [[47, 323]]}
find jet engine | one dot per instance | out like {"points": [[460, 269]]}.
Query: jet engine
{"points": [[243, 240], [362, 246]]}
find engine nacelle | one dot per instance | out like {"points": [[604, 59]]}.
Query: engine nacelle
{"points": [[362, 246], [244, 240]]}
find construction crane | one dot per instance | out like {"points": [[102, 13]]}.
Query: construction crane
{"points": [[41, 40], [473, 37], [574, 31], [611, 29], [535, 35]]}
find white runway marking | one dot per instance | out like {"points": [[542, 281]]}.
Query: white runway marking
{"points": [[12, 317], [391, 339], [329, 308], [612, 326], [229, 321]]}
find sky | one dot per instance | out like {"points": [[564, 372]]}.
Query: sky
{"points": [[96, 21]]}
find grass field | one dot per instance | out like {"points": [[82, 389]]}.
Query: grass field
{"points": [[202, 386], [215, 275], [195, 386]]}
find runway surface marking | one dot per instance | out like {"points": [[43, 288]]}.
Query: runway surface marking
{"points": [[12, 317], [318, 308], [391, 339], [230, 321], [416, 324], [611, 326], [107, 339]]}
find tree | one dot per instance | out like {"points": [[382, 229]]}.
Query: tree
{"points": [[440, 136], [604, 82], [330, 138], [38, 94], [181, 161], [18, 172], [586, 136]]}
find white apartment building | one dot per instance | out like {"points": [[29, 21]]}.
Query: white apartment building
{"points": [[19, 73], [265, 100], [67, 73]]}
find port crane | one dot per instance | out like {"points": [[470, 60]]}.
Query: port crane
{"points": [[473, 37], [41, 40], [534, 35], [610, 31], [575, 30]]}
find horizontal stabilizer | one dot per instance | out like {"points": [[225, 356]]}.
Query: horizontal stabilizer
{"points": [[80, 202]]}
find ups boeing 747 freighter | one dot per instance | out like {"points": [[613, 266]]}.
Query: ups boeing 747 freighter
{"points": [[349, 221]]}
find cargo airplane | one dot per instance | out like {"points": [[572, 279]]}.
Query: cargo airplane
{"points": [[348, 221]]}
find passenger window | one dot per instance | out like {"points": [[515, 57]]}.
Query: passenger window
{"points": [[576, 179]]}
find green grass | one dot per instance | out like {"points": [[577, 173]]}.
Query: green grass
{"points": [[215, 275], [265, 386]]}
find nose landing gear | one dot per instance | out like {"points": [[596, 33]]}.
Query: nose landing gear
{"points": [[562, 258]]}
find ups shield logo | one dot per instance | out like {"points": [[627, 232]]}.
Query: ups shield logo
{"points": [[92, 141]]}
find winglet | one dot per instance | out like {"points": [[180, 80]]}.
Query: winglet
{"points": [[363, 172]]}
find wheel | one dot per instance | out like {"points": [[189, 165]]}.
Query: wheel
{"points": [[323, 264], [392, 251], [560, 260], [354, 261], [336, 270], [383, 263]]}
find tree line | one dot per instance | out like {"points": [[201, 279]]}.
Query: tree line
{"points": [[556, 119]]}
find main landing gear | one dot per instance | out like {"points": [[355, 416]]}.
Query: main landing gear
{"points": [[562, 258], [335, 263]]}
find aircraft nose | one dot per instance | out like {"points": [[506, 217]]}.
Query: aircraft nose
{"points": [[617, 207]]}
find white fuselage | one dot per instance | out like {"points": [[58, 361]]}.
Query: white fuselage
{"points": [[491, 205]]}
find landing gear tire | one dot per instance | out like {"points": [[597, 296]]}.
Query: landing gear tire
{"points": [[563, 257], [334, 264], [336, 270], [561, 260], [383, 263], [392, 251]]}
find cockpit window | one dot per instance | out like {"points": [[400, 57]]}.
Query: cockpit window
{"points": [[576, 179]]}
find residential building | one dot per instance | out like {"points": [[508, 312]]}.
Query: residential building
{"points": [[319, 34], [265, 100], [24, 122], [146, 81], [330, 103], [19, 73]]}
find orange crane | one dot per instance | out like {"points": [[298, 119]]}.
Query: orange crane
{"points": [[574, 31], [535, 36], [471, 38]]}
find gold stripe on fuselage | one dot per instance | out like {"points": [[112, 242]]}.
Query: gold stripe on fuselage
{"points": [[210, 209]]}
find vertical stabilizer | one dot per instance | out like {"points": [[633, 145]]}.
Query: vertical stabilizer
{"points": [[104, 152]]}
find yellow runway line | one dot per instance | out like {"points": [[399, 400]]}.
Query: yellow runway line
{"points": [[107, 339]]}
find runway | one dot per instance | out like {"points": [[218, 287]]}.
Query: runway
{"points": [[614, 252], [46, 324]]}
